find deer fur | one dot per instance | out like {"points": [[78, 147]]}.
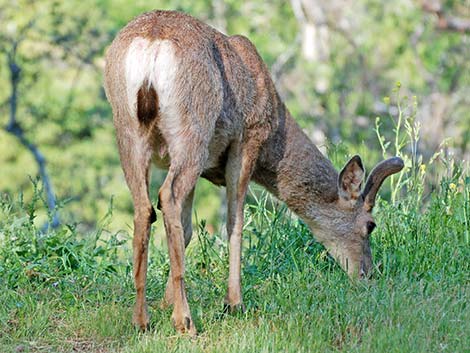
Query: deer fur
{"points": [[202, 104]]}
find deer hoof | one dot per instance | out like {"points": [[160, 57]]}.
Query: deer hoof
{"points": [[141, 320], [185, 326], [234, 308]]}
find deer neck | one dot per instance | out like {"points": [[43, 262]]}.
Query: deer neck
{"points": [[292, 168]]}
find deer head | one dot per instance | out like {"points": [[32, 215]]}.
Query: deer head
{"points": [[345, 225]]}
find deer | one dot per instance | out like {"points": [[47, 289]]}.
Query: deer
{"points": [[198, 103]]}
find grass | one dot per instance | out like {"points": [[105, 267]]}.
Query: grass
{"points": [[66, 292], [62, 291]]}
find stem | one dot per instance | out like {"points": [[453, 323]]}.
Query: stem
{"points": [[394, 186]]}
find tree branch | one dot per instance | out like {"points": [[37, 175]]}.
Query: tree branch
{"points": [[283, 59], [13, 127], [16, 130], [446, 22]]}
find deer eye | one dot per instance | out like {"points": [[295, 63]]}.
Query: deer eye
{"points": [[370, 227]]}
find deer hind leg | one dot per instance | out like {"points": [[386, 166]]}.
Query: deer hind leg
{"points": [[182, 175], [135, 160], [186, 220], [238, 172]]}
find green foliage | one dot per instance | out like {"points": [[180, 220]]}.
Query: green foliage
{"points": [[70, 289], [66, 284], [58, 258], [62, 107]]}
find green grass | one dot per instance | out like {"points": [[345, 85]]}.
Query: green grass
{"points": [[69, 292]]}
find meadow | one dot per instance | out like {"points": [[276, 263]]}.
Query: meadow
{"points": [[63, 291]]}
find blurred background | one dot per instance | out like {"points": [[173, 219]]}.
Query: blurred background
{"points": [[339, 65]]}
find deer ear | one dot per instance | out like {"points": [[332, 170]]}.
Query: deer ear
{"points": [[350, 179]]}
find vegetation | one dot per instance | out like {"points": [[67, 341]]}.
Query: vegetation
{"points": [[66, 214], [333, 64], [64, 291]]}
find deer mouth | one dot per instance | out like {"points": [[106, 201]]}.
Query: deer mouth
{"points": [[365, 269]]}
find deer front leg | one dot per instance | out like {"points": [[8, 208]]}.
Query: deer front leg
{"points": [[237, 175], [178, 184]]}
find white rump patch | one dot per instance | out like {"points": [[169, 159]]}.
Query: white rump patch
{"points": [[155, 62]]}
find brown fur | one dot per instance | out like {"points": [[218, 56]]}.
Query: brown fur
{"points": [[230, 127], [147, 103]]}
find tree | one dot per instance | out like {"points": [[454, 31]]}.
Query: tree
{"points": [[36, 35]]}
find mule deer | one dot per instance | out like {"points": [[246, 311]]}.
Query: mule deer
{"points": [[202, 104]]}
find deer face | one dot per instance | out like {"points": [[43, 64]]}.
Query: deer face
{"points": [[345, 226]]}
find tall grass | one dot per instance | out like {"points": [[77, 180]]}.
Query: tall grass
{"points": [[63, 291]]}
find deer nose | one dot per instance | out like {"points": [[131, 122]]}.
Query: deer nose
{"points": [[364, 273]]}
